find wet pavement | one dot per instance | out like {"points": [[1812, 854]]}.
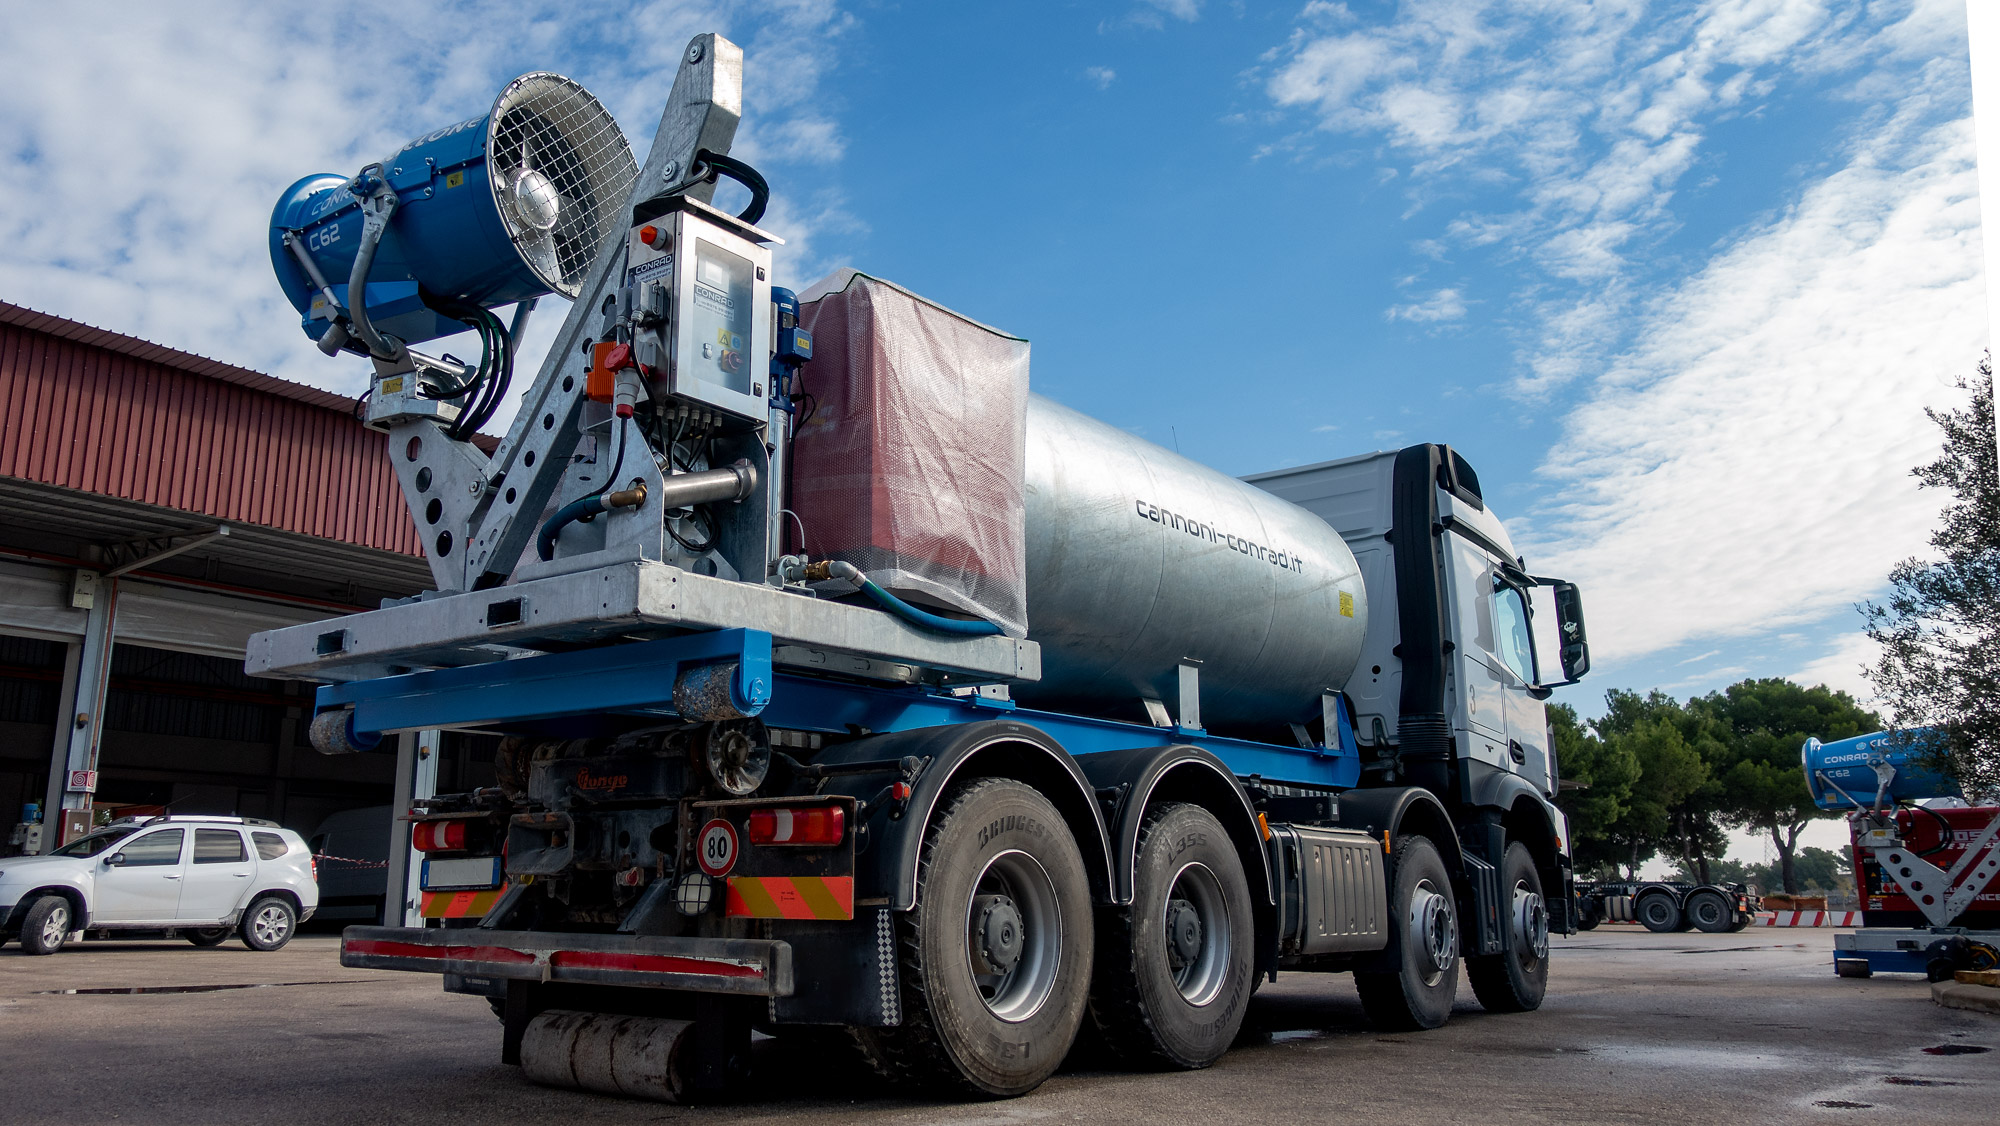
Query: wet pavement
{"points": [[1637, 1028]]}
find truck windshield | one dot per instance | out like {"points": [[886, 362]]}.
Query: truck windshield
{"points": [[95, 842]]}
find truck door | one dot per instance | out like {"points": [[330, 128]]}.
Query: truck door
{"points": [[144, 887], [217, 878], [1527, 723], [1479, 676]]}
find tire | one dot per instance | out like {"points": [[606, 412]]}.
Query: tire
{"points": [[1423, 937], [1658, 913], [47, 925], [1586, 917], [1739, 922], [207, 936], [999, 875], [1176, 969], [1852, 967], [1515, 980], [268, 924], [1709, 912]]}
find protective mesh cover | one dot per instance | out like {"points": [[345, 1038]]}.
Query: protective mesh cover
{"points": [[910, 466]]}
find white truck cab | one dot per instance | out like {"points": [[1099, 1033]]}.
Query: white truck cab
{"points": [[204, 877]]}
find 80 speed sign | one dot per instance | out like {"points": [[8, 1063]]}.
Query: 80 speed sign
{"points": [[716, 848]]}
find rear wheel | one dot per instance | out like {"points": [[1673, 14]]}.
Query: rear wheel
{"points": [[1423, 937], [1658, 912], [1515, 980], [207, 936], [1175, 970], [995, 959], [1709, 912], [268, 924], [46, 926]]}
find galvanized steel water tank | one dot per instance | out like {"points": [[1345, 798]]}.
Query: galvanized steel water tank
{"points": [[1140, 560]]}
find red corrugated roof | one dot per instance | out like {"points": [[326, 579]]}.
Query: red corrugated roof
{"points": [[87, 408]]}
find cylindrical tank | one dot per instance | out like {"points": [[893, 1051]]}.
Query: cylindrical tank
{"points": [[1849, 765], [1140, 560]]}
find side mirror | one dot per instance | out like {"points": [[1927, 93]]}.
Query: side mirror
{"points": [[1575, 652], [114, 860]]}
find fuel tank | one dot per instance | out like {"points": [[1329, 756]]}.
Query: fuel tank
{"points": [[1140, 561]]}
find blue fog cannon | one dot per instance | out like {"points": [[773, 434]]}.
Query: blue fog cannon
{"points": [[1870, 771], [497, 210]]}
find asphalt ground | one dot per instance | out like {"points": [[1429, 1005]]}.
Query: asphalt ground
{"points": [[1749, 1027]]}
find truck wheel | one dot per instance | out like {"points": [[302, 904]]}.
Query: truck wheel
{"points": [[46, 926], [1515, 980], [1709, 912], [1738, 922], [268, 924], [995, 958], [1586, 915], [207, 936], [1175, 970], [1423, 936], [1659, 913]]}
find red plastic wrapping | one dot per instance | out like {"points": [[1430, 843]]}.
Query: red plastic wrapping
{"points": [[910, 464]]}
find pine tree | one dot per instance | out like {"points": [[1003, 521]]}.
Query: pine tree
{"points": [[1940, 629]]}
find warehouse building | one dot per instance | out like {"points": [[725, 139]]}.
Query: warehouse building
{"points": [[156, 509]]}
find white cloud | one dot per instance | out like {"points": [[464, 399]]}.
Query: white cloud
{"points": [[1590, 114], [1841, 666], [1104, 76], [1189, 10], [1745, 466], [143, 147], [1444, 305]]}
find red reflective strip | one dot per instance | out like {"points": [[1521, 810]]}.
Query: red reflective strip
{"points": [[650, 963], [391, 949], [438, 836]]}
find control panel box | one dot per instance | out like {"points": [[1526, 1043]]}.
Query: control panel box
{"points": [[698, 288]]}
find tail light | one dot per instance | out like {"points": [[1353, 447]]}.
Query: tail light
{"points": [[438, 836], [315, 864], [811, 825]]}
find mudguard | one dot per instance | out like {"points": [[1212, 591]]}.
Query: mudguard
{"points": [[886, 864], [1136, 779]]}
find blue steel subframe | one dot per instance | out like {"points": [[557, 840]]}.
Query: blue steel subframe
{"points": [[637, 679]]}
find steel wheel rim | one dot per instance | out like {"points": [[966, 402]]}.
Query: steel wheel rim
{"points": [[1705, 909], [270, 925], [56, 926], [1200, 979], [1019, 992], [1531, 918], [1434, 929]]}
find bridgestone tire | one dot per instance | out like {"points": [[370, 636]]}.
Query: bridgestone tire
{"points": [[1658, 913], [1515, 980], [47, 925], [1150, 1010], [1419, 994], [268, 924], [997, 852], [207, 936], [1709, 912]]}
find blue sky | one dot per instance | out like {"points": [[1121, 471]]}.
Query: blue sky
{"points": [[1678, 278]]}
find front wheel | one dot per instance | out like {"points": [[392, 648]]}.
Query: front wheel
{"points": [[1423, 939], [268, 924], [995, 958], [46, 926], [1515, 980], [1175, 970]]}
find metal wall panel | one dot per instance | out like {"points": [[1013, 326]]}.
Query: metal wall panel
{"points": [[88, 414]]}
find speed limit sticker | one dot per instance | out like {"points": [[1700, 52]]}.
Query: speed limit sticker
{"points": [[716, 848]]}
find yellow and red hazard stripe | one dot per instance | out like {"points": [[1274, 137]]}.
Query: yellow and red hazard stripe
{"points": [[459, 904], [791, 897]]}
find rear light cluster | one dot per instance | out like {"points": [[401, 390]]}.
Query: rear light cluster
{"points": [[809, 825], [438, 836]]}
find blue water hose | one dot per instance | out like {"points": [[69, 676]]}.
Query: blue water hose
{"points": [[922, 619]]}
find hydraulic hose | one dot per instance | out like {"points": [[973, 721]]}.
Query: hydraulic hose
{"points": [[760, 190], [922, 619]]}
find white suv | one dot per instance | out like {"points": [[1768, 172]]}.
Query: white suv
{"points": [[202, 877]]}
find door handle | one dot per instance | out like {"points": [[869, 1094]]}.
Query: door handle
{"points": [[174, 877], [241, 875]]}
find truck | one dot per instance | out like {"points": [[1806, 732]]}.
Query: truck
{"points": [[867, 696], [1926, 864], [1665, 906]]}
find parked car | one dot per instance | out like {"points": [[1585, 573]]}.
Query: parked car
{"points": [[352, 847], [203, 877]]}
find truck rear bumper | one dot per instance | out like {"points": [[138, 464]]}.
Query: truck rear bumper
{"points": [[748, 967]]}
